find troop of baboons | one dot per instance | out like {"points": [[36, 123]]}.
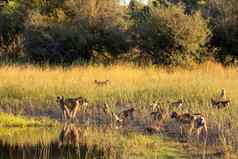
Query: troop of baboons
{"points": [[71, 106]]}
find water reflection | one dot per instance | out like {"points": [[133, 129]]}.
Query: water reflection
{"points": [[81, 142]]}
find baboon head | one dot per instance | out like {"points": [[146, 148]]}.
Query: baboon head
{"points": [[173, 115], [59, 99], [132, 109]]}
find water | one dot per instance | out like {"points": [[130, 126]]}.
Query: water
{"points": [[81, 142]]}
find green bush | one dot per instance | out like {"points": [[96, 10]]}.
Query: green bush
{"points": [[169, 32], [76, 31], [223, 15], [11, 28]]}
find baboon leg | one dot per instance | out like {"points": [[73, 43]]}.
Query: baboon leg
{"points": [[66, 113], [75, 111], [181, 130], [198, 132], [131, 116], [206, 133]]}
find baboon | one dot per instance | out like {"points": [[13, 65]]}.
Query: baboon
{"points": [[128, 113], [102, 83], [71, 106], [193, 121], [64, 108], [199, 124], [178, 103], [220, 103], [114, 117]]}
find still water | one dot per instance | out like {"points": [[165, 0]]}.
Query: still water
{"points": [[81, 142]]}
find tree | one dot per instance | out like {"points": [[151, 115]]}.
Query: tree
{"points": [[170, 36]]}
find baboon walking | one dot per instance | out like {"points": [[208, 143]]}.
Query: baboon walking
{"points": [[102, 83], [193, 121], [71, 106]]}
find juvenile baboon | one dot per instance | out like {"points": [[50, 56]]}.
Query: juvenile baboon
{"points": [[71, 106], [128, 113], [102, 83], [193, 121], [220, 103]]}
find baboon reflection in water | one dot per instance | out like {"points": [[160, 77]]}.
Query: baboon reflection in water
{"points": [[71, 134]]}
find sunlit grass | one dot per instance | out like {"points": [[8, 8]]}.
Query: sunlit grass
{"points": [[8, 120], [33, 89]]}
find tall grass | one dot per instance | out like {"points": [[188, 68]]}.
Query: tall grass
{"points": [[98, 143], [33, 90]]}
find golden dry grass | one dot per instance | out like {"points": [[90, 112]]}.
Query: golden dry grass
{"points": [[28, 87]]}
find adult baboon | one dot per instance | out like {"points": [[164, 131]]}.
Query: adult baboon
{"points": [[193, 121], [220, 103], [71, 106], [102, 83]]}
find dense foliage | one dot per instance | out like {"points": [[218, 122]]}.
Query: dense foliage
{"points": [[165, 31]]}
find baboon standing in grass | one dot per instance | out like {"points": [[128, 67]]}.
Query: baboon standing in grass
{"points": [[220, 104], [102, 83], [193, 121], [71, 106]]}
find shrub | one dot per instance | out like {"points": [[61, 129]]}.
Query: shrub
{"points": [[223, 16], [76, 30], [168, 32]]}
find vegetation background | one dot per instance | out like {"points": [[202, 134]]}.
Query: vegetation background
{"points": [[92, 33], [165, 32]]}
